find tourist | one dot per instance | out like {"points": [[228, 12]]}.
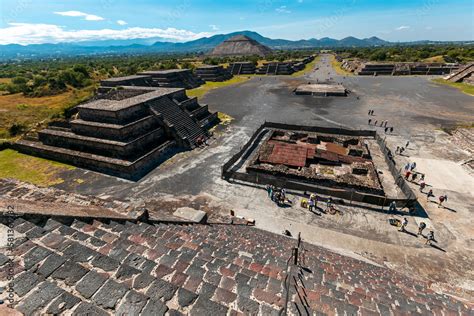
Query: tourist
{"points": [[381, 123], [408, 143], [430, 194], [391, 129], [311, 205], [421, 227], [413, 166], [422, 178], [392, 207], [441, 200], [414, 176], [375, 123], [370, 120], [368, 113], [386, 129], [430, 238], [385, 124], [407, 174], [397, 150], [422, 185], [404, 224]]}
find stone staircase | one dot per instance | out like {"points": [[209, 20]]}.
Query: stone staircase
{"points": [[177, 118], [461, 74], [103, 267]]}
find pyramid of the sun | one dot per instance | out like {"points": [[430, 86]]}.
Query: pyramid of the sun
{"points": [[240, 45]]}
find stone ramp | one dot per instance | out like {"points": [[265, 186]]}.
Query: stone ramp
{"points": [[122, 267], [186, 127], [464, 72]]}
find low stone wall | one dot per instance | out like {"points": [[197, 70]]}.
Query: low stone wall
{"points": [[346, 194]]}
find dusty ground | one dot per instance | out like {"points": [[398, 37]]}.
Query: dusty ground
{"points": [[414, 106]]}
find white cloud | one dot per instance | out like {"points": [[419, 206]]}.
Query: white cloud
{"points": [[86, 16], [401, 28], [26, 33], [214, 27], [282, 9], [121, 22]]}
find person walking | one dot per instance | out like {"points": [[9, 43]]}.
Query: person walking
{"points": [[404, 224], [397, 150], [407, 166], [413, 166], [430, 238], [421, 227], [391, 129], [422, 178], [408, 143], [375, 123], [430, 194], [422, 185], [392, 207], [385, 124], [441, 200], [370, 120], [414, 176], [407, 174], [310, 205]]}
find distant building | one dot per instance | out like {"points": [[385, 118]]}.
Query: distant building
{"points": [[240, 45]]}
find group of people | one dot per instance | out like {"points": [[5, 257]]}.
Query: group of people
{"points": [[429, 238], [277, 195], [383, 123]]}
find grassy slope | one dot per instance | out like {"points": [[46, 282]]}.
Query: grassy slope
{"points": [[208, 86], [35, 170], [464, 87], [337, 67], [16, 108]]}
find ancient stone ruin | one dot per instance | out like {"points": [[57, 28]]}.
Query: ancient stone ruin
{"points": [[321, 90], [362, 68], [125, 132], [173, 78], [276, 68], [213, 73], [327, 159], [464, 74], [240, 45], [242, 68]]}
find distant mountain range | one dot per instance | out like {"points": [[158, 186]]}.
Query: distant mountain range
{"points": [[202, 45]]}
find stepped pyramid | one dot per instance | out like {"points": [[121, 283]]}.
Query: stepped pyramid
{"points": [[240, 45], [125, 132]]}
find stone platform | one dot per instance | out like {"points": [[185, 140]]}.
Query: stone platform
{"points": [[213, 73], [125, 137], [323, 90], [173, 78], [119, 267]]}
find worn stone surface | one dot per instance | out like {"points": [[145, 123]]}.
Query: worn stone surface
{"points": [[110, 293], [90, 283]]}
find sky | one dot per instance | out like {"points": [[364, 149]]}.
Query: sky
{"points": [[55, 21]]}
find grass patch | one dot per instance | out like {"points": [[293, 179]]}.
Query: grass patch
{"points": [[5, 80], [464, 87], [337, 66], [16, 108], [41, 172], [308, 67], [435, 59], [208, 86]]}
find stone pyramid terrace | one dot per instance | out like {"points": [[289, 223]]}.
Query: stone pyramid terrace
{"points": [[125, 132], [173, 78], [128, 267], [213, 73]]}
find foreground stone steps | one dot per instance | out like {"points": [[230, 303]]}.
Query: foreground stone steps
{"points": [[121, 267]]}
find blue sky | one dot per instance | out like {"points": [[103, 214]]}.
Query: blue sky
{"points": [[47, 21]]}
